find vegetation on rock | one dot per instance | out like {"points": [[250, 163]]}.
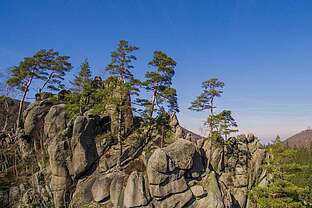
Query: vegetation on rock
{"points": [[90, 147], [83, 78]]}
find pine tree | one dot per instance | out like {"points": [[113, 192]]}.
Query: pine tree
{"points": [[83, 77], [54, 68], [159, 83], [120, 67], [121, 64], [222, 123], [45, 65], [212, 89]]}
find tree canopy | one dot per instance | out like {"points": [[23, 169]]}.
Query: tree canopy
{"points": [[46, 66], [212, 88], [159, 84], [222, 123], [84, 76], [121, 63]]}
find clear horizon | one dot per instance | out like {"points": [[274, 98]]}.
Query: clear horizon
{"points": [[262, 50]]}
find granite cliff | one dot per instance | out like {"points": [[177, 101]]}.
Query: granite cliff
{"points": [[61, 161]]}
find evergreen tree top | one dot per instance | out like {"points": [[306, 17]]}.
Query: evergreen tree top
{"points": [[211, 88], [121, 63], [46, 65], [84, 76]]}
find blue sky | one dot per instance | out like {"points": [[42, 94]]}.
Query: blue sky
{"points": [[261, 49]]}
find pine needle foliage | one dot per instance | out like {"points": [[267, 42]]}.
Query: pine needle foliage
{"points": [[290, 171], [121, 63], [46, 66], [212, 89], [222, 123], [159, 84], [84, 77]]}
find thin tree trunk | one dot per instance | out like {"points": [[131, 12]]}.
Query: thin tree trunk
{"points": [[153, 103], [80, 106], [21, 105], [211, 112], [20, 111], [211, 105], [46, 82], [119, 140]]}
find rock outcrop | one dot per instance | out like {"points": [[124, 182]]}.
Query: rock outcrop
{"points": [[34, 117], [84, 152], [82, 169], [136, 193]]}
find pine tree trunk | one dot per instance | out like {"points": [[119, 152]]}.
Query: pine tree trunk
{"points": [[119, 139], [20, 111], [46, 82], [211, 112], [211, 105], [153, 103], [21, 105]]}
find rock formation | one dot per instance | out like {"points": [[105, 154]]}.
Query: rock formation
{"points": [[78, 157]]}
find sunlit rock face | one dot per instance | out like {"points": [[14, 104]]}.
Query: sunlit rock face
{"points": [[79, 164]]}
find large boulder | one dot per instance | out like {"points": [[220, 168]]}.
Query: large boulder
{"points": [[60, 187], [255, 167], [101, 187], [214, 153], [166, 170], [83, 192], [34, 117], [60, 180], [83, 145], [55, 121], [58, 153], [178, 200], [170, 163], [172, 187], [117, 189], [212, 187], [198, 191], [159, 167], [136, 193], [181, 153]]}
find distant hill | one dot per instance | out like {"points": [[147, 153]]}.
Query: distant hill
{"points": [[301, 140]]}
